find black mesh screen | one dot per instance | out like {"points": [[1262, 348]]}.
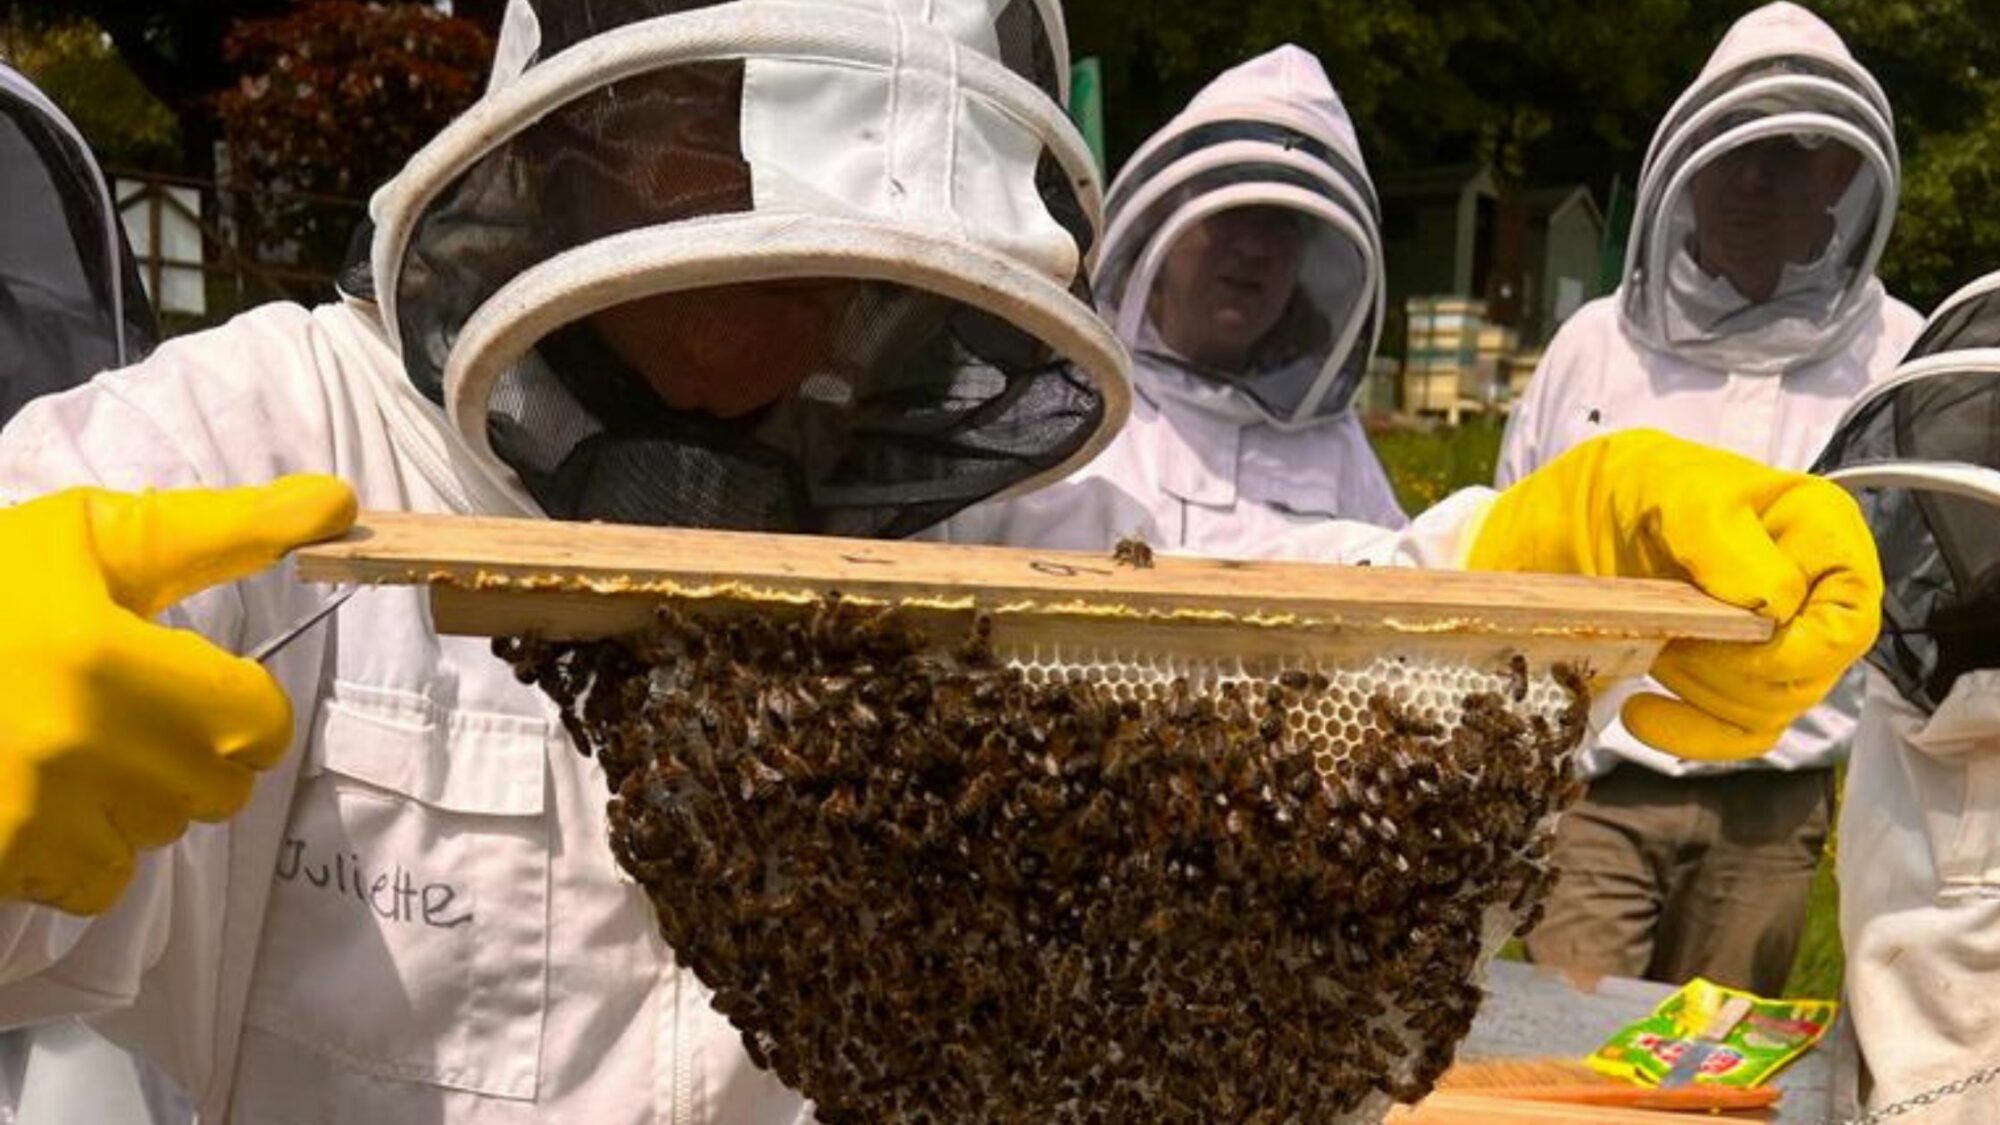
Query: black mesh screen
{"points": [[650, 149], [1681, 145], [891, 413], [1971, 323], [1674, 225], [57, 279], [1940, 552], [1761, 68], [1123, 256], [1059, 195], [829, 405], [1025, 47], [1222, 132], [1335, 279]]}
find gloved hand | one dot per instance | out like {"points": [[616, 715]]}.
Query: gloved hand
{"points": [[115, 731], [1792, 547]]}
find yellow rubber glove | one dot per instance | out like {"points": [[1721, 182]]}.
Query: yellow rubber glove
{"points": [[1792, 547], [114, 732]]}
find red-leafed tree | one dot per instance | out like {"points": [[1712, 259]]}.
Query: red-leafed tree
{"points": [[333, 97]]}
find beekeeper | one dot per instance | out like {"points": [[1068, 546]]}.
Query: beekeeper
{"points": [[745, 266], [1242, 267], [1919, 852], [1750, 316], [414, 915]]}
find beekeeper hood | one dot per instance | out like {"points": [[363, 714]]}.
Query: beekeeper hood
{"points": [[70, 301], [768, 265], [1244, 247], [1922, 453], [1764, 203]]}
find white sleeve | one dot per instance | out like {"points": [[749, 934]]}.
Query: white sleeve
{"points": [[173, 421], [1084, 513], [1439, 538], [1520, 446], [1374, 494], [1532, 439], [51, 963]]}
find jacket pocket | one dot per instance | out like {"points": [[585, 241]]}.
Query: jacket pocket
{"points": [[1968, 845], [1954, 777], [407, 931]]}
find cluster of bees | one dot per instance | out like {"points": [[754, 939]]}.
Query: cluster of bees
{"points": [[928, 889]]}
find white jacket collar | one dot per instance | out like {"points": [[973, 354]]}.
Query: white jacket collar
{"points": [[1967, 721], [473, 485], [1214, 449]]}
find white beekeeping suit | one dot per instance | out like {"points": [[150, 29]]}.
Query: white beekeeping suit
{"points": [[1242, 265], [70, 306], [1920, 828], [791, 266], [1749, 317], [1678, 349]]}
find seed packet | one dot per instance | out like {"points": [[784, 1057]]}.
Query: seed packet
{"points": [[1774, 1033]]}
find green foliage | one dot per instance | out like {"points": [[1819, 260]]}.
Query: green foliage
{"points": [[1947, 231], [75, 65], [1821, 965], [174, 47], [1547, 93], [1571, 93], [1939, 62], [1425, 466]]}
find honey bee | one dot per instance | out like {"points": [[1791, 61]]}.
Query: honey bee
{"points": [[979, 795], [1134, 552], [1517, 677], [819, 811]]}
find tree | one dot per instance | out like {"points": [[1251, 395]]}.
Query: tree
{"points": [[486, 13], [175, 49], [1541, 87], [1939, 62], [1947, 229], [80, 72], [1571, 93], [335, 96]]}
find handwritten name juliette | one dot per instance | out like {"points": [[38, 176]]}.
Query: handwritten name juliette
{"points": [[394, 895]]}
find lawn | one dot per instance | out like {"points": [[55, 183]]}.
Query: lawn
{"points": [[1428, 465]]}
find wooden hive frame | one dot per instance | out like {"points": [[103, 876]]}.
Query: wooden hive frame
{"points": [[497, 577]]}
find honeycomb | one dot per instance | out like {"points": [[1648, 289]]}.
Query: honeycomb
{"points": [[936, 882]]}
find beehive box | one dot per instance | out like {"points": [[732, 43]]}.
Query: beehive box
{"points": [[980, 835], [1441, 358]]}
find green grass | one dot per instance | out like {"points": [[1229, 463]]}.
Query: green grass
{"points": [[1821, 964], [1428, 465]]}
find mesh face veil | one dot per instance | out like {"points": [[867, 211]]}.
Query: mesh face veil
{"points": [[1244, 243], [747, 266], [1922, 454], [1765, 202], [70, 301]]}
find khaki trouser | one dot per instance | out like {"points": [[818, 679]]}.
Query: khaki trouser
{"points": [[1671, 878]]}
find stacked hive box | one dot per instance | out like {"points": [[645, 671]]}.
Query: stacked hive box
{"points": [[1443, 353]]}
